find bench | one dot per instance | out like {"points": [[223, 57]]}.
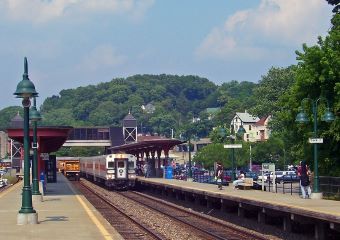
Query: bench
{"points": [[247, 184]]}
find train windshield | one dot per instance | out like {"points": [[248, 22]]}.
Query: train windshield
{"points": [[110, 165], [121, 164]]}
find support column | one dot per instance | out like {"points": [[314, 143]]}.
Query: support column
{"points": [[261, 216], [197, 200], [210, 203], [240, 210], [319, 231], [287, 224]]}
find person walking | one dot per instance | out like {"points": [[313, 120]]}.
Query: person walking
{"points": [[219, 175], [240, 179], [304, 173]]}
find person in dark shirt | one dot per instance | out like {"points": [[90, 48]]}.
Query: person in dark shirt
{"points": [[219, 175], [304, 173]]}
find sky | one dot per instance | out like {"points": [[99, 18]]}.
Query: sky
{"points": [[73, 43]]}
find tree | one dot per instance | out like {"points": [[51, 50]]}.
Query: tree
{"points": [[335, 3], [317, 74], [212, 153], [7, 114], [270, 88]]}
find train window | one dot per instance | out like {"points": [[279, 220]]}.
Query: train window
{"points": [[110, 164], [120, 164], [131, 165]]}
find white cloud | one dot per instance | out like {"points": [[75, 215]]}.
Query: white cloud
{"points": [[278, 23], [41, 11], [101, 58]]}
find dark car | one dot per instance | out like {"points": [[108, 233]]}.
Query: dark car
{"points": [[290, 178]]}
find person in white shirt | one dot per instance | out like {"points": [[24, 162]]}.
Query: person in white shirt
{"points": [[239, 180]]}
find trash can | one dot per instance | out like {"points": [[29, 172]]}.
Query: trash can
{"points": [[169, 172]]}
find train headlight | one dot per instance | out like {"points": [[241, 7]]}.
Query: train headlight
{"points": [[132, 176]]}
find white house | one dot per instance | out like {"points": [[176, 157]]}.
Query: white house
{"points": [[256, 129]]}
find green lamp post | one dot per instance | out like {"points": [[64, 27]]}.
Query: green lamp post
{"points": [[232, 137], [35, 117], [302, 118], [26, 90]]}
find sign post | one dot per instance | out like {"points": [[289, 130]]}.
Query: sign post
{"points": [[268, 167]]}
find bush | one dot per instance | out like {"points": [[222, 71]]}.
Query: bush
{"points": [[10, 179]]}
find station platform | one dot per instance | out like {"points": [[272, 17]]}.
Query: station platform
{"points": [[63, 214], [320, 206], [323, 214]]}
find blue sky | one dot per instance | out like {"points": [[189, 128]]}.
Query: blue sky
{"points": [[72, 43]]}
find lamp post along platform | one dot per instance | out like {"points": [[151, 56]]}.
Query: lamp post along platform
{"points": [[302, 118], [26, 90], [232, 137], [35, 117]]}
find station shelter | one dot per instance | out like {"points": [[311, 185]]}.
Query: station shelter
{"points": [[148, 150], [50, 139]]}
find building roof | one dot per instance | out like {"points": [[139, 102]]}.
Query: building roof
{"points": [[17, 121], [129, 117], [247, 118], [262, 121]]}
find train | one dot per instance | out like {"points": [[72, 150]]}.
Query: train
{"points": [[116, 171], [70, 167]]}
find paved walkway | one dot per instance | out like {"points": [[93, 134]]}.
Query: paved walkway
{"points": [[63, 214]]}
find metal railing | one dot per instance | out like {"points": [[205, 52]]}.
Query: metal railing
{"points": [[330, 186]]}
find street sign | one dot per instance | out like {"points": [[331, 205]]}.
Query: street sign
{"points": [[315, 140], [268, 167], [233, 146]]}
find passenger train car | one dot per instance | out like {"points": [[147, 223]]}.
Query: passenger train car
{"points": [[116, 171]]}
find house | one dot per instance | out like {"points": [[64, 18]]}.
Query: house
{"points": [[262, 129], [256, 129]]}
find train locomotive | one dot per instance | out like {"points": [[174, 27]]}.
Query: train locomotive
{"points": [[115, 171]]}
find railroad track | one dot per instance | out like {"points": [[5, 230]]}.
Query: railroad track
{"points": [[213, 228], [168, 221], [123, 223]]}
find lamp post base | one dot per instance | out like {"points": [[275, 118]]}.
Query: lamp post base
{"points": [[27, 218], [316, 195]]}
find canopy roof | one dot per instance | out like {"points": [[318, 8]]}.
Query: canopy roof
{"points": [[147, 144], [50, 139]]}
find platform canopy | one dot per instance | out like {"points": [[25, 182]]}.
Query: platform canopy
{"points": [[147, 144], [50, 139]]}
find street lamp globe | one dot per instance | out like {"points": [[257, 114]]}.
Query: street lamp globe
{"points": [[328, 117], [25, 88], [301, 117], [34, 114], [241, 131]]}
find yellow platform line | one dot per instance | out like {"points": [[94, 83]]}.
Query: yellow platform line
{"points": [[94, 219], [10, 189]]}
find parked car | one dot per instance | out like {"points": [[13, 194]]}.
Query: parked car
{"points": [[279, 175], [292, 177], [252, 175], [265, 176]]}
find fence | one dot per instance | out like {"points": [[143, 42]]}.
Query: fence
{"points": [[330, 186]]}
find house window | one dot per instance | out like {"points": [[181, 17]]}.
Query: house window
{"points": [[249, 127]]}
